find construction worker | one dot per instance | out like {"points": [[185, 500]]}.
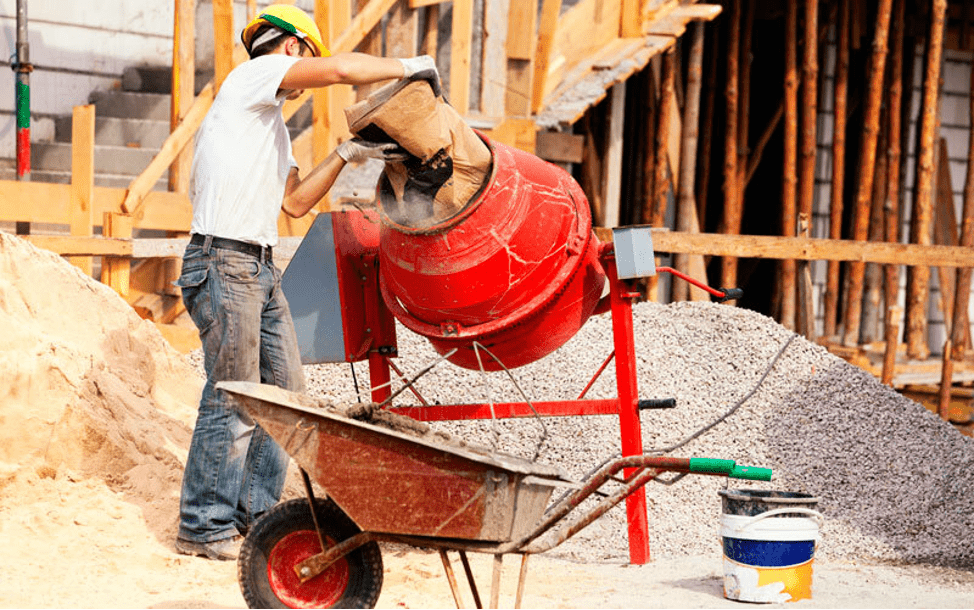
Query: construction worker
{"points": [[244, 174]]}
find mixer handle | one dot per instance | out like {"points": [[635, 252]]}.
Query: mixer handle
{"points": [[722, 294]]}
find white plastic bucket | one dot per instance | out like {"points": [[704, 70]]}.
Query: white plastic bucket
{"points": [[768, 552]]}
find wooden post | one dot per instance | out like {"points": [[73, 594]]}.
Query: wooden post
{"points": [[894, 153], [946, 382], [732, 210], [841, 97], [945, 231], [962, 294], [918, 277], [612, 176], [82, 178], [686, 208], [521, 48], [707, 119], [222, 41], [894, 316], [183, 87], [873, 302], [867, 167], [115, 271], [806, 308], [744, 103], [806, 177], [460, 55], [431, 32], [648, 143], [493, 82], [372, 45], [661, 170], [547, 28], [789, 214], [322, 131]]}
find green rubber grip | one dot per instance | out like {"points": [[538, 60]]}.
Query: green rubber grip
{"points": [[750, 472], [712, 466]]}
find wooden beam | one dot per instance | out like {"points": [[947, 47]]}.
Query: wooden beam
{"points": [[183, 87], [559, 146], [81, 211], [787, 285], [662, 171], [321, 115], [961, 340], [115, 272], [773, 247], [840, 104], [732, 209], [867, 167], [630, 24], [81, 246], [493, 82], [612, 178], [918, 278], [460, 46], [431, 30], [945, 232], [402, 31], [222, 41], [547, 29], [421, 3]]}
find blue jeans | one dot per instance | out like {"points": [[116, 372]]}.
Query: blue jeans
{"points": [[235, 472]]}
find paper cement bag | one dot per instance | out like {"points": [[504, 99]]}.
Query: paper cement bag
{"points": [[449, 165]]}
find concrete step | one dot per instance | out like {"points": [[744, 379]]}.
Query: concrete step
{"points": [[117, 160], [130, 104], [115, 131]]}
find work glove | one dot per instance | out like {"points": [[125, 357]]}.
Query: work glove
{"points": [[422, 67], [357, 150], [413, 65]]}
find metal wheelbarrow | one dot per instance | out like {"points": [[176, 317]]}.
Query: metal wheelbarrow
{"points": [[396, 480]]}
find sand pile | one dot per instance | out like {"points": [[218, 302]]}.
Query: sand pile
{"points": [[88, 388]]}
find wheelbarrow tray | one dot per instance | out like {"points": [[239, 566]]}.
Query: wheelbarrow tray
{"points": [[395, 482]]}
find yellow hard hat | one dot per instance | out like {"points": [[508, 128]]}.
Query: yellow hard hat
{"points": [[292, 20]]}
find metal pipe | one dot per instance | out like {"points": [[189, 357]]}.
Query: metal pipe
{"points": [[23, 68]]}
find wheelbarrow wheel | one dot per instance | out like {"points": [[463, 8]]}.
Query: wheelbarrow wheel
{"points": [[284, 537]]}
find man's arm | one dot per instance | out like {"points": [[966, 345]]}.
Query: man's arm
{"points": [[344, 69], [302, 195]]}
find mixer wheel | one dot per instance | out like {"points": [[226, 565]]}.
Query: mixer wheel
{"points": [[284, 537]]}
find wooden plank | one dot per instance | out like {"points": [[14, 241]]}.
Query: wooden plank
{"points": [[321, 116], [521, 47], [460, 46], [402, 31], [493, 82], [18, 202], [630, 23], [547, 29], [183, 87], [222, 41], [945, 232], [559, 146], [781, 248], [581, 32], [66, 245], [81, 211], [431, 32], [612, 178], [115, 272], [421, 3]]}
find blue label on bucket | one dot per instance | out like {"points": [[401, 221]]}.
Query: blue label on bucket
{"points": [[766, 553]]}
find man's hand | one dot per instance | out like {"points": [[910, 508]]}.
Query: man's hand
{"points": [[358, 150], [412, 65]]}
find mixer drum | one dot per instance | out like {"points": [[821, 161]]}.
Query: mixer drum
{"points": [[516, 270]]}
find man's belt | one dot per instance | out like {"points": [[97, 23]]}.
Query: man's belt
{"points": [[261, 252]]}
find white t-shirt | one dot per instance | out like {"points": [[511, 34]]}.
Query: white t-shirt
{"points": [[243, 155]]}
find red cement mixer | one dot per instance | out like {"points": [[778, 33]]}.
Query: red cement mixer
{"points": [[515, 271]]}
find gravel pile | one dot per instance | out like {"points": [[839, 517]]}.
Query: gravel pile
{"points": [[896, 483]]}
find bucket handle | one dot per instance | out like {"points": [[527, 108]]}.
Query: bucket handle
{"points": [[819, 518]]}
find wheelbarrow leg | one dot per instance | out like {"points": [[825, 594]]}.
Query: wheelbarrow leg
{"points": [[520, 580], [495, 584], [470, 580], [451, 577]]}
